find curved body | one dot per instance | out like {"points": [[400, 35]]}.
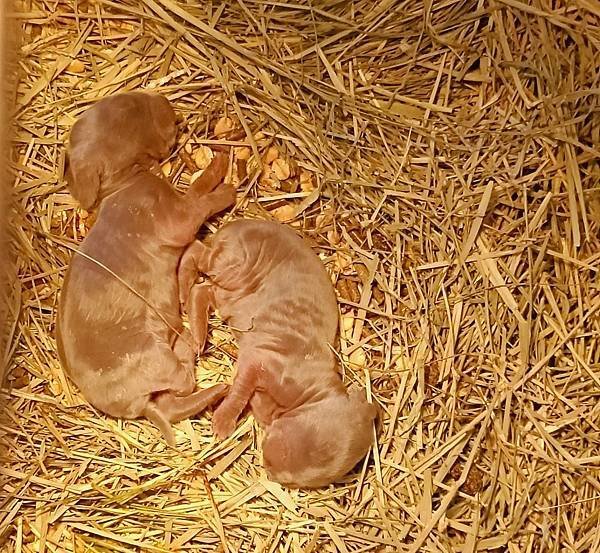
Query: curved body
{"points": [[276, 294], [119, 327]]}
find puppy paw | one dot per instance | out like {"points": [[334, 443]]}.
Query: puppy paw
{"points": [[222, 198], [223, 424], [213, 175], [218, 167]]}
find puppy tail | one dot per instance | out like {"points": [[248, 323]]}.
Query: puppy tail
{"points": [[166, 407], [176, 408], [157, 417]]}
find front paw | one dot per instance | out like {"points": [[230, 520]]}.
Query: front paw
{"points": [[221, 198], [187, 275], [199, 332], [218, 167], [223, 423]]}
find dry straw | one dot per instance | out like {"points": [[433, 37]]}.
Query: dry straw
{"points": [[443, 159]]}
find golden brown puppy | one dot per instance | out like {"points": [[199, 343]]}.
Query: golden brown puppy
{"points": [[119, 317], [277, 296]]}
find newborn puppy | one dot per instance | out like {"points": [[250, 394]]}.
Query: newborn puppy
{"points": [[278, 297], [119, 323]]}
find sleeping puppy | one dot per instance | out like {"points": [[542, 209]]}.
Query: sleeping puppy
{"points": [[119, 327], [276, 294]]}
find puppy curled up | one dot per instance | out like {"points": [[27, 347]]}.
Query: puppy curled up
{"points": [[276, 294], [119, 326]]}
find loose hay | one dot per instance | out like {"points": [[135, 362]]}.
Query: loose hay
{"points": [[452, 150]]}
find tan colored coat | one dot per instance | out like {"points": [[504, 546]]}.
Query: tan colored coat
{"points": [[277, 296], [119, 317]]}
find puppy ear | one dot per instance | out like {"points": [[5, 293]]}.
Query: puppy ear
{"points": [[164, 121], [83, 180]]}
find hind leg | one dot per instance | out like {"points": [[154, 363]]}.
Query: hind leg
{"points": [[176, 397], [167, 408], [244, 385], [176, 408]]}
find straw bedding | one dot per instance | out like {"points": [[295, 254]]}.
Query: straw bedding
{"points": [[442, 158]]}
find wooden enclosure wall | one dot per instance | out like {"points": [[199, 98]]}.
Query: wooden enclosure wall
{"points": [[8, 282]]}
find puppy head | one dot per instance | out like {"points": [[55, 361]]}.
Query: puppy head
{"points": [[117, 134], [316, 444]]}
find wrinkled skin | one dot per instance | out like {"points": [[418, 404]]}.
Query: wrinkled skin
{"points": [[281, 304], [119, 325]]}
